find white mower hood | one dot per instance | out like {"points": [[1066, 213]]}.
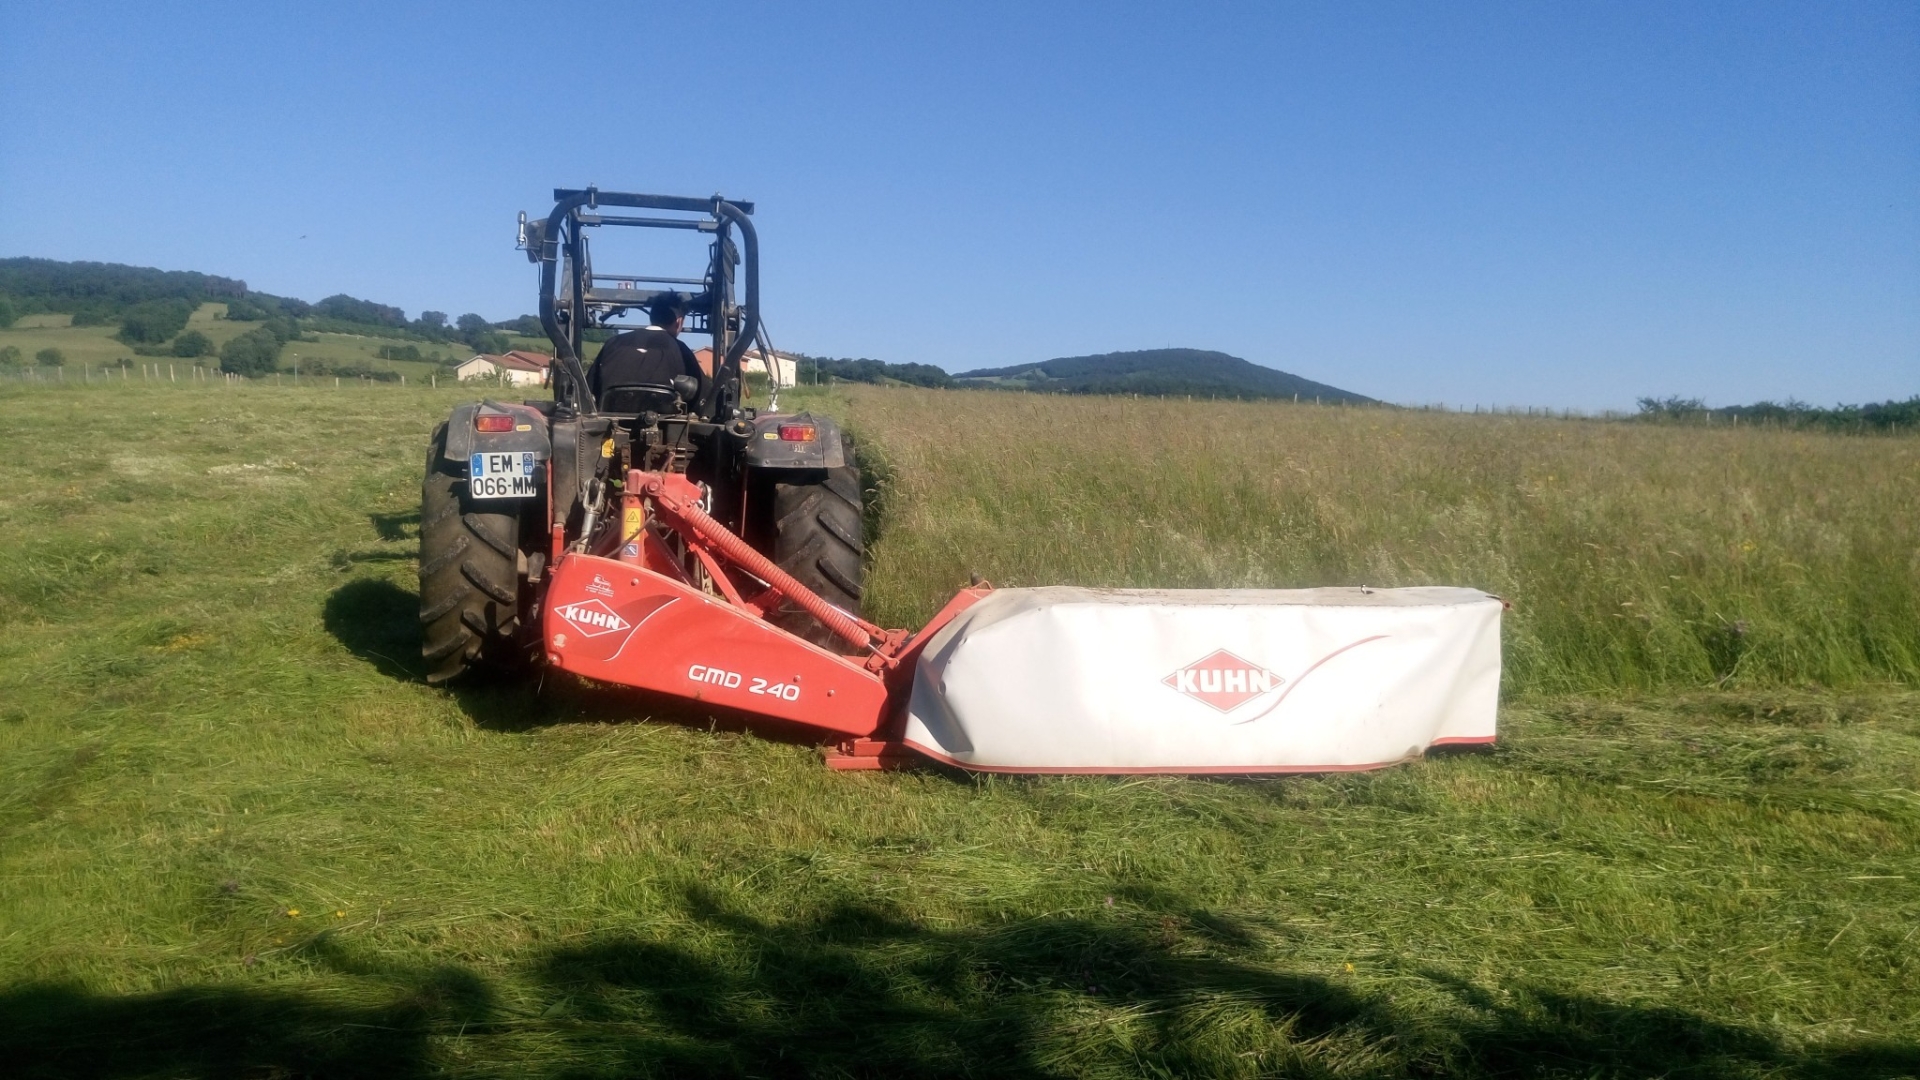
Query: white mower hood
{"points": [[1207, 681]]}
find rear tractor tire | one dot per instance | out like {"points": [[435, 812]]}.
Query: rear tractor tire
{"points": [[469, 574], [818, 537]]}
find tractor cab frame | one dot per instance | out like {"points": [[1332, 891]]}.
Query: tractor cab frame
{"points": [[574, 298]]}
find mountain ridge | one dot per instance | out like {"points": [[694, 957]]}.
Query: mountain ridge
{"points": [[1163, 372]]}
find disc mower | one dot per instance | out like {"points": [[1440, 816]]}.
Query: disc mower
{"points": [[665, 535]]}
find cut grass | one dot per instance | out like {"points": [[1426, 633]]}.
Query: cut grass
{"points": [[239, 835]]}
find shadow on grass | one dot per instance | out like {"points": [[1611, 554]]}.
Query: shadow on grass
{"points": [[55, 1031], [400, 525], [52, 1030], [346, 560], [860, 991], [379, 622]]}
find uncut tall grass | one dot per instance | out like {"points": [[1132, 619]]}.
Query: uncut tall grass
{"points": [[1635, 556]]}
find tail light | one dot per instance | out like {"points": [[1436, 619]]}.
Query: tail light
{"points": [[796, 433], [493, 422]]}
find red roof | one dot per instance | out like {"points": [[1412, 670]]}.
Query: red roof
{"points": [[518, 361]]}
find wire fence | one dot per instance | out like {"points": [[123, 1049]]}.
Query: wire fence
{"points": [[207, 376], [177, 373]]}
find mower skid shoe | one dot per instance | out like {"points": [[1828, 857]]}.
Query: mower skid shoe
{"points": [[871, 755], [619, 623]]}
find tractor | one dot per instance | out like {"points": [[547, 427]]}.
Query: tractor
{"points": [[512, 487]]}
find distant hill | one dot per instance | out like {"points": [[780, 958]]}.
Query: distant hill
{"points": [[1165, 372], [97, 293]]}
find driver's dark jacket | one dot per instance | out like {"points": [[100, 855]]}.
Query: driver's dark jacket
{"points": [[650, 357]]}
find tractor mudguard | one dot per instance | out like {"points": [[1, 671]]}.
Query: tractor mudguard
{"points": [[767, 449], [529, 432]]}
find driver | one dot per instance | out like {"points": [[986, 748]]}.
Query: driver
{"points": [[651, 356]]}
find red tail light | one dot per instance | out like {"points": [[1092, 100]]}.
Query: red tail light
{"points": [[796, 433], [496, 422]]}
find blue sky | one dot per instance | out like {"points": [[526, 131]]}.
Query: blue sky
{"points": [[1568, 205]]}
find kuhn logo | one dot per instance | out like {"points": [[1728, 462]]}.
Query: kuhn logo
{"points": [[592, 618], [1223, 680]]}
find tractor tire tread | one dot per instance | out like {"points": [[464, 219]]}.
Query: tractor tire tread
{"points": [[485, 624], [849, 536], [845, 482], [435, 651], [839, 576], [440, 517], [818, 537], [478, 525], [430, 614], [476, 573], [829, 510], [445, 559], [469, 576]]}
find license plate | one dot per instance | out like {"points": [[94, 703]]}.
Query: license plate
{"points": [[502, 476]]}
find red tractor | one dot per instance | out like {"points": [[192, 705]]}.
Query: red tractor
{"points": [[658, 535]]}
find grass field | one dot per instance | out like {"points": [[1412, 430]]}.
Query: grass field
{"points": [[1636, 556], [239, 836]]}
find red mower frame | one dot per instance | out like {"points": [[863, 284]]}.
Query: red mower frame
{"points": [[640, 615]]}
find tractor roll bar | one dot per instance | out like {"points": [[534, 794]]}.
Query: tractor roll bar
{"points": [[563, 225], [649, 202], [750, 323], [649, 222]]}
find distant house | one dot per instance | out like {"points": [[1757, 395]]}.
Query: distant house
{"points": [[515, 368], [786, 366]]}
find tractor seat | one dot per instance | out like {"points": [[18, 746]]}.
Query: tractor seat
{"points": [[638, 398]]}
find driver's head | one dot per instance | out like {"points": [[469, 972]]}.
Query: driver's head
{"points": [[668, 311]]}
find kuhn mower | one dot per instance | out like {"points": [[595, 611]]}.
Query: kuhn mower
{"points": [[662, 535]]}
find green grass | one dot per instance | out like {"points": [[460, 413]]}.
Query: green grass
{"points": [[1635, 557], [211, 719]]}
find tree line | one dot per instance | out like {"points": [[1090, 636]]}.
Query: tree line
{"points": [[1873, 416], [811, 369], [152, 307], [95, 293]]}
